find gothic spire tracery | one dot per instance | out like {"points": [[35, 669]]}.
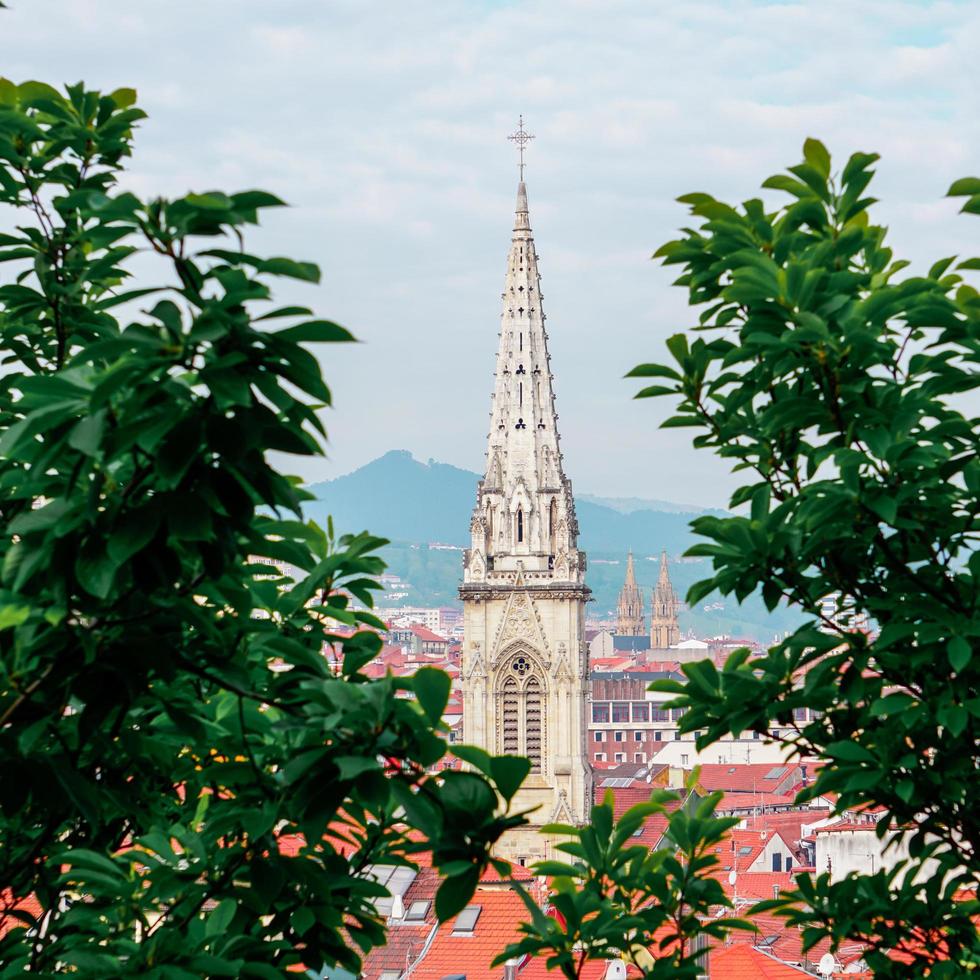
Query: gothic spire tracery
{"points": [[524, 485], [664, 628], [629, 613], [525, 663]]}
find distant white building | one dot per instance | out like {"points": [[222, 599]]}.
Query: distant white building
{"points": [[427, 617]]}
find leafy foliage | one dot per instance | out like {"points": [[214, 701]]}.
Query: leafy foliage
{"points": [[839, 387], [619, 899], [188, 785]]}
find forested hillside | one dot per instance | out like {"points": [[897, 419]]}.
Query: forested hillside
{"points": [[418, 504]]}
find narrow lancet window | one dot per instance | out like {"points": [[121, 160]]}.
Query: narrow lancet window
{"points": [[532, 715], [520, 525]]}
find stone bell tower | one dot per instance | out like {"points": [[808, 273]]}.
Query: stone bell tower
{"points": [[629, 611], [664, 628], [525, 662]]}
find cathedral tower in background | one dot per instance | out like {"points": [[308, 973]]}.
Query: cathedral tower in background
{"points": [[664, 629], [525, 662], [629, 612]]}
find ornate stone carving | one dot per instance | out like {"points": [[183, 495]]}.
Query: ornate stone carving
{"points": [[524, 591], [477, 669]]}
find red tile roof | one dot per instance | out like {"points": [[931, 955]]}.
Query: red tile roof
{"points": [[757, 885], [536, 969], [750, 777], [501, 910], [9, 904], [789, 823], [426, 635], [624, 797], [747, 963], [785, 942], [402, 948], [742, 801]]}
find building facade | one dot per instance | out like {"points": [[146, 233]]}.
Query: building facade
{"points": [[525, 664], [629, 612]]}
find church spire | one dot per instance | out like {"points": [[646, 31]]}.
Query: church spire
{"points": [[525, 512], [664, 629], [525, 663], [629, 612]]}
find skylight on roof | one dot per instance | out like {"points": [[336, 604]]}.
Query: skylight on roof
{"points": [[395, 878], [775, 773], [466, 920], [417, 911]]}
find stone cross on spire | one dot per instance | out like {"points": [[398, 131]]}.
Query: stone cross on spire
{"points": [[521, 138]]}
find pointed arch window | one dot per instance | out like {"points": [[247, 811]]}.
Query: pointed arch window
{"points": [[521, 696], [520, 525], [552, 521]]}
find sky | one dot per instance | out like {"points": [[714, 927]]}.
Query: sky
{"points": [[384, 125]]}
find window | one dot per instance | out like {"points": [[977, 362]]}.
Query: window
{"points": [[658, 736], [466, 920], [600, 713], [532, 710], [390, 975], [620, 712], [599, 736], [660, 714], [638, 736], [641, 711], [520, 525], [600, 757], [684, 760], [777, 862], [789, 862], [799, 714], [620, 736], [640, 757], [521, 698], [620, 756], [511, 716], [744, 850], [417, 911], [677, 713]]}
